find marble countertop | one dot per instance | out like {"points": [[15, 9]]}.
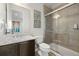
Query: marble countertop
{"points": [[14, 39]]}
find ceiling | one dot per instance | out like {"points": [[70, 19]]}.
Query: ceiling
{"points": [[54, 5]]}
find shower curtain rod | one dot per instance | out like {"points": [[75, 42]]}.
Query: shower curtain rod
{"points": [[67, 5]]}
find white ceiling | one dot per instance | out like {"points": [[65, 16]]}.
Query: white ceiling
{"points": [[54, 5]]}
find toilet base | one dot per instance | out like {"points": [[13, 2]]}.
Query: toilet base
{"points": [[42, 53]]}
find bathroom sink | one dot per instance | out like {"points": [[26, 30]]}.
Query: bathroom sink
{"points": [[15, 39]]}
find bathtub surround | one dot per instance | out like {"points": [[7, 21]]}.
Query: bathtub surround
{"points": [[48, 26], [59, 50], [63, 28], [64, 5], [47, 9], [64, 34]]}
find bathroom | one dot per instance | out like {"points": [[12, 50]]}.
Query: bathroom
{"points": [[39, 29]]}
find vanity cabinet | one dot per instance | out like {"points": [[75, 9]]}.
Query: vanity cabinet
{"points": [[26, 48], [8, 50]]}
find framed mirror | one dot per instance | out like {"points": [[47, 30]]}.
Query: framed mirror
{"points": [[14, 19], [17, 19]]}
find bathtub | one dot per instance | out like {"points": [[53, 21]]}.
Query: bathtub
{"points": [[62, 51]]}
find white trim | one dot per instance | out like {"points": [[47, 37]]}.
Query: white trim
{"points": [[67, 5]]}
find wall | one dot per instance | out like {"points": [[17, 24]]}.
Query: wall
{"points": [[36, 31], [2, 17], [47, 9], [28, 19], [64, 34], [48, 26]]}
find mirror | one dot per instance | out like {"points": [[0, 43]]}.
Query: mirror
{"points": [[14, 19], [18, 19]]}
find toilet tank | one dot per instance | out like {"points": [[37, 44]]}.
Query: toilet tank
{"points": [[39, 40]]}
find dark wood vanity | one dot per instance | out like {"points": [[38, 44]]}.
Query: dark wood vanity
{"points": [[26, 48]]}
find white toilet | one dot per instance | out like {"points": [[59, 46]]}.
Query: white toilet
{"points": [[43, 48]]}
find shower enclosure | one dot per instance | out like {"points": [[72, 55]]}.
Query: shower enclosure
{"points": [[62, 30]]}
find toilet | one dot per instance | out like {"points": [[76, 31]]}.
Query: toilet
{"points": [[43, 48]]}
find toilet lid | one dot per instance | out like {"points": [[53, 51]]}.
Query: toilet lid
{"points": [[44, 45]]}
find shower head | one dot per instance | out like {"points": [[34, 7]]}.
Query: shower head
{"points": [[56, 16]]}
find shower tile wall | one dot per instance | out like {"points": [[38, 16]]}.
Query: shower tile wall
{"points": [[46, 9], [48, 26], [63, 32]]}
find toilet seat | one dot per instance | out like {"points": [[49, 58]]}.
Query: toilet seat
{"points": [[44, 45]]}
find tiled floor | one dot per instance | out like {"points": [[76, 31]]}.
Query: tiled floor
{"points": [[51, 54]]}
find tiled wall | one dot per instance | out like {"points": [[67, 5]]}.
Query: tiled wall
{"points": [[48, 26], [46, 9], [63, 32]]}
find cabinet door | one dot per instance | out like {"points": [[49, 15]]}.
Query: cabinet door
{"points": [[8, 50], [27, 48]]}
